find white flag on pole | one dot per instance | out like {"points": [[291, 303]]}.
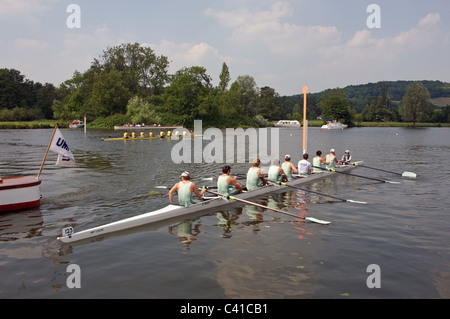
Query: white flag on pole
{"points": [[60, 147], [64, 161]]}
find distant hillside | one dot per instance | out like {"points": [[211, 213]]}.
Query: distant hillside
{"points": [[360, 95]]}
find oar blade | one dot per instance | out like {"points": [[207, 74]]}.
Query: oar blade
{"points": [[409, 175], [162, 187], [391, 182], [318, 221], [356, 202]]}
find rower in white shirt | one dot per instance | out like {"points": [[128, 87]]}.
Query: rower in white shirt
{"points": [[304, 167]]}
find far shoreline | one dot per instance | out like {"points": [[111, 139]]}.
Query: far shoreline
{"points": [[46, 124]]}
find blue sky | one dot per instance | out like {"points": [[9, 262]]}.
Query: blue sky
{"points": [[282, 44]]}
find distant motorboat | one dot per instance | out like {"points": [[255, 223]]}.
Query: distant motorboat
{"points": [[288, 123], [334, 125], [76, 124]]}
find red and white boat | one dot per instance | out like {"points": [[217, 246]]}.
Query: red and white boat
{"points": [[17, 193], [24, 192]]}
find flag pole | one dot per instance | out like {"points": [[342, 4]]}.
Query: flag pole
{"points": [[46, 152], [305, 123]]}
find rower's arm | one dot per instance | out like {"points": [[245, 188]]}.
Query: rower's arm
{"points": [[294, 169], [174, 188], [199, 195], [235, 183]]}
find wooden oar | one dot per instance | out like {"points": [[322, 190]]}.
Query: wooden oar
{"points": [[371, 178], [311, 219], [405, 174], [307, 190]]}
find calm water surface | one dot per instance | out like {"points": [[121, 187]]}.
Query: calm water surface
{"points": [[240, 253]]}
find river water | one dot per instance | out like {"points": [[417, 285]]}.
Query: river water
{"points": [[240, 253]]}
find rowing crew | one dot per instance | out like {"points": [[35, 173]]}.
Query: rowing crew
{"points": [[150, 134], [255, 178], [162, 134]]}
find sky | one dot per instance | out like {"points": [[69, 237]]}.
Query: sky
{"points": [[285, 45]]}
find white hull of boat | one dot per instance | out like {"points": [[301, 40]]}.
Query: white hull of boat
{"points": [[286, 123], [19, 193], [334, 126], [173, 211]]}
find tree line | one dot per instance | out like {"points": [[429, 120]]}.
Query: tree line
{"points": [[129, 83]]}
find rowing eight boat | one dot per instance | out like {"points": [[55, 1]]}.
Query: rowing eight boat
{"points": [[174, 211], [176, 137]]}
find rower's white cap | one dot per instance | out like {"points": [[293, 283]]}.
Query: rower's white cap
{"points": [[347, 151], [287, 156], [185, 174], [332, 150]]}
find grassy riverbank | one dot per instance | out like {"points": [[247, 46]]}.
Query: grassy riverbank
{"points": [[39, 124]]}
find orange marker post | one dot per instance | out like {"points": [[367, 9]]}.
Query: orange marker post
{"points": [[305, 91]]}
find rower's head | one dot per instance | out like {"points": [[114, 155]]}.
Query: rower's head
{"points": [[347, 152], [332, 151], [185, 176], [256, 162], [276, 162], [226, 169], [287, 158], [305, 156], [318, 153]]}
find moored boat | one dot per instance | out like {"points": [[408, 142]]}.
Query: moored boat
{"points": [[146, 127], [18, 193], [76, 124], [334, 125], [288, 123]]}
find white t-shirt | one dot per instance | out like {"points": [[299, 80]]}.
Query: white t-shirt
{"points": [[304, 166]]}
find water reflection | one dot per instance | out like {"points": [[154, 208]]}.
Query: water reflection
{"points": [[186, 231]]}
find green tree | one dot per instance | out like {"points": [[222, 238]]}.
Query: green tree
{"points": [[109, 95], [224, 78], [336, 106], [188, 94], [270, 108], [141, 111], [378, 109], [249, 95], [141, 69], [416, 104]]}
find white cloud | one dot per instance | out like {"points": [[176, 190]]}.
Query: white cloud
{"points": [[266, 28], [24, 8], [190, 54], [30, 44]]}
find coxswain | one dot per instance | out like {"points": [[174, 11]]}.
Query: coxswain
{"points": [[125, 135], [276, 173], [185, 189], [304, 167], [331, 160], [317, 162], [346, 158], [227, 185], [255, 176], [288, 168]]}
